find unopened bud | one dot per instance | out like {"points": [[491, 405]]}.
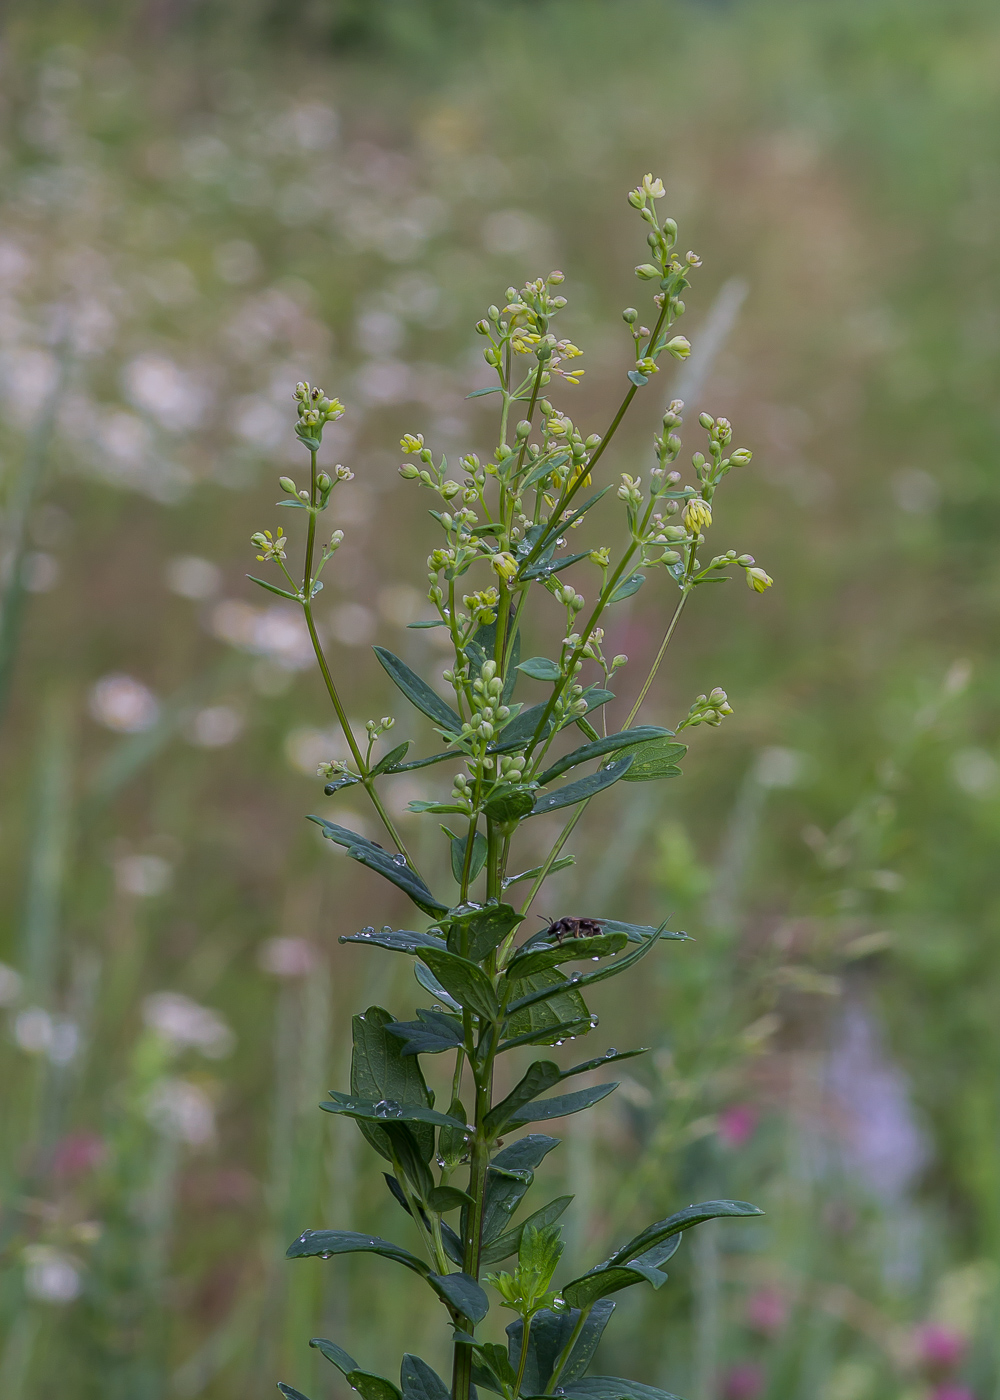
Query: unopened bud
{"points": [[630, 315], [706, 420], [647, 272], [287, 484], [741, 457], [679, 347], [523, 428]]}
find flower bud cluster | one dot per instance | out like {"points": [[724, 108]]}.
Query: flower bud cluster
{"points": [[315, 411], [757, 579], [271, 547], [376, 728], [707, 709], [482, 606], [488, 710]]}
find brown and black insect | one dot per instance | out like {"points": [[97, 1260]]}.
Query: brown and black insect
{"points": [[570, 927]]}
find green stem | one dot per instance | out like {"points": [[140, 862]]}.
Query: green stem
{"points": [[659, 657], [523, 1359], [567, 1351]]}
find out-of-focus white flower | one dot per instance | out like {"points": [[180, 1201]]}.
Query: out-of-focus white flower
{"points": [[276, 632], [192, 577], [10, 985], [36, 1032], [176, 399], [215, 726], [124, 704], [27, 379], [352, 624], [287, 957], [259, 422], [185, 1024], [306, 748], [975, 771], [182, 1110], [384, 381], [39, 572], [144, 876], [379, 332], [33, 1030], [778, 768], [511, 231], [50, 1275]]}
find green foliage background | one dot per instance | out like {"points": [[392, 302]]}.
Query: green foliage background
{"points": [[832, 848]]}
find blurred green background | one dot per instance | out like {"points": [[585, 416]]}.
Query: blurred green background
{"points": [[201, 203]]}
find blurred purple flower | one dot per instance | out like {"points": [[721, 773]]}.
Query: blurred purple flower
{"points": [[948, 1391], [76, 1154], [767, 1311], [744, 1381], [939, 1347], [736, 1124], [880, 1141]]}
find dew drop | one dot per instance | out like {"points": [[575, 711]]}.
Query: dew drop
{"points": [[611, 1051], [559, 1042], [595, 959], [326, 1254], [399, 860]]}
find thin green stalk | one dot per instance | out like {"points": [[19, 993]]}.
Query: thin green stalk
{"points": [[523, 1358], [659, 657], [567, 1351]]}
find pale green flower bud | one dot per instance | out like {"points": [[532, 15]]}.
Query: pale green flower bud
{"points": [[556, 278], [679, 347], [759, 580], [636, 198], [483, 327], [706, 420], [523, 429], [647, 272], [324, 482], [741, 457], [409, 471], [630, 315], [287, 484]]}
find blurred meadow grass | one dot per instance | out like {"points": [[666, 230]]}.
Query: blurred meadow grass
{"points": [[202, 205]]}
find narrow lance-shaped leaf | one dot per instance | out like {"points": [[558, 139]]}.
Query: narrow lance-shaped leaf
{"points": [[290, 1393], [464, 981], [510, 1175], [433, 1033], [380, 1074], [613, 1388], [474, 933], [388, 760], [583, 788], [579, 980], [535, 956], [656, 760], [682, 1220], [602, 1282], [510, 1241], [549, 1336], [391, 867], [628, 738], [461, 1292], [398, 940], [562, 1105], [334, 1353], [372, 1387], [418, 692], [324, 1244]]}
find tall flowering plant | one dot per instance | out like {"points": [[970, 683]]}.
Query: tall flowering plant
{"points": [[508, 524]]}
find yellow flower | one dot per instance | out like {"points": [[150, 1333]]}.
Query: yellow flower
{"points": [[505, 565], [697, 515], [758, 580]]}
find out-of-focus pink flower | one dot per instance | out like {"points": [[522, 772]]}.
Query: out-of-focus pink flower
{"points": [[736, 1124], [767, 1311], [745, 1381], [76, 1154], [940, 1348], [948, 1391]]}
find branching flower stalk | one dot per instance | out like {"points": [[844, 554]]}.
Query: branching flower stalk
{"points": [[506, 523]]}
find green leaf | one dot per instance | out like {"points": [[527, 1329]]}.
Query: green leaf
{"points": [[434, 622], [544, 1001], [549, 1336], [474, 933], [453, 1145], [389, 1112], [510, 1241], [397, 940], [289, 1391], [478, 393], [559, 527], [393, 868], [629, 739], [682, 1220], [545, 568], [334, 1353], [550, 1034], [510, 802], [462, 1292], [563, 864], [432, 1033], [540, 668], [381, 1072], [510, 1175], [372, 1387], [583, 788], [430, 984], [541, 1075], [445, 1198], [613, 1388], [325, 1243], [589, 978], [521, 729], [493, 1370], [272, 588], [609, 1057], [345, 780], [418, 692], [626, 588], [459, 845], [464, 981], [602, 1282], [637, 933], [392, 757], [562, 1105], [535, 956], [420, 1382], [655, 760], [424, 762]]}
